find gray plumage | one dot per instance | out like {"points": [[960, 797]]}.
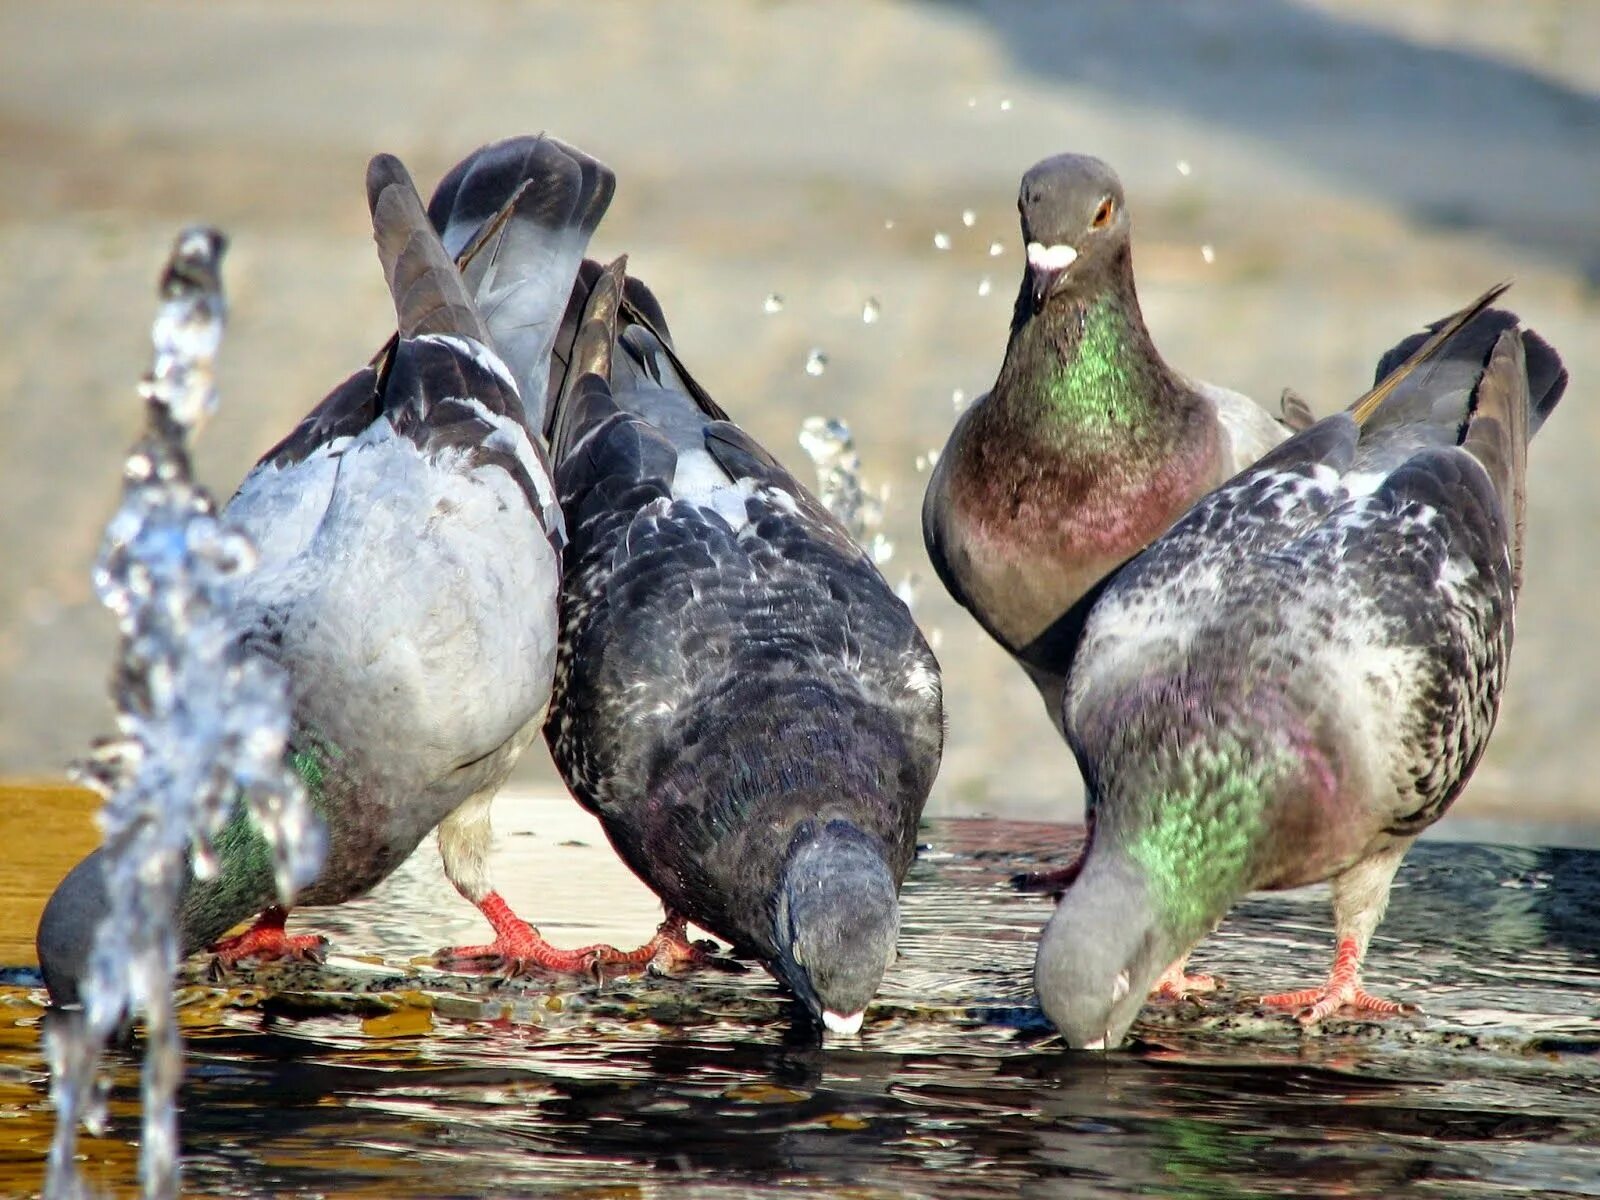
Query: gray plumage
{"points": [[1300, 676], [410, 561]]}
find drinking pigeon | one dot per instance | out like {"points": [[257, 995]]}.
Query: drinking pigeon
{"points": [[1300, 676], [740, 697], [410, 542]]}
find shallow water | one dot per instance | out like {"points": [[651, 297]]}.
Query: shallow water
{"points": [[379, 1075]]}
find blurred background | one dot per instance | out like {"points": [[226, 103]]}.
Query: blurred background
{"points": [[1309, 182]]}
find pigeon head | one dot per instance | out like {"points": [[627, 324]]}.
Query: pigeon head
{"points": [[1073, 221], [1100, 954], [836, 923], [67, 928]]}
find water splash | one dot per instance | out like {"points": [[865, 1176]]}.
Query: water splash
{"points": [[985, 286], [202, 721], [996, 249], [1209, 253], [1183, 167], [871, 311], [816, 361], [832, 448], [941, 241], [772, 304], [968, 217], [958, 398]]}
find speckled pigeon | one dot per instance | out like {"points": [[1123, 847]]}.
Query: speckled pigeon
{"points": [[1300, 676], [740, 697], [410, 545]]}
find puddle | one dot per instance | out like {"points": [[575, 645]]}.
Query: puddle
{"points": [[378, 1075]]}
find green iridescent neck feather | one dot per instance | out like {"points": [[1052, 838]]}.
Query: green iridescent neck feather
{"points": [[1083, 373], [1196, 828]]}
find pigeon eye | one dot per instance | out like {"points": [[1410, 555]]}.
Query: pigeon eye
{"points": [[1102, 215]]}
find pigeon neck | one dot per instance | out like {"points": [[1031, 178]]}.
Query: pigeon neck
{"points": [[1084, 371], [244, 875], [1193, 801]]}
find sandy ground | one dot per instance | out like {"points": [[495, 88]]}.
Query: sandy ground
{"points": [[1356, 170]]}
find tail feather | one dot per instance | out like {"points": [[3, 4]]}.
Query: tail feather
{"points": [[1498, 432], [518, 215], [429, 296], [1390, 400], [586, 395]]}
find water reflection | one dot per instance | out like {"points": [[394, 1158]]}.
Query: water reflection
{"points": [[698, 1088]]}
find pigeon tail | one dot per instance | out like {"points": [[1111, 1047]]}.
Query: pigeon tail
{"points": [[1497, 436], [518, 215], [585, 399], [429, 296]]}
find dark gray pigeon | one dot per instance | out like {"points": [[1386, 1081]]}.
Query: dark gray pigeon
{"points": [[410, 546], [740, 697], [1299, 677]]}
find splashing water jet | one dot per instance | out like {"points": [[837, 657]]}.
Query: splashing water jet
{"points": [[203, 723]]}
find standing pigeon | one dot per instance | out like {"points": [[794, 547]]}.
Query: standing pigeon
{"points": [[739, 696], [410, 545], [1301, 675], [1089, 446]]}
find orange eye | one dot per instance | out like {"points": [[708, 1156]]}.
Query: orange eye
{"points": [[1102, 215]]}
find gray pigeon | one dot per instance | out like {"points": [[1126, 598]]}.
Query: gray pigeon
{"points": [[410, 546], [1300, 676], [740, 696]]}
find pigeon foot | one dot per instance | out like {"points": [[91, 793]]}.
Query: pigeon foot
{"points": [[518, 947], [266, 939], [1176, 984], [1343, 990]]}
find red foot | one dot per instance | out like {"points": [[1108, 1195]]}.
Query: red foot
{"points": [[670, 951], [1174, 984], [266, 939], [1343, 990], [518, 946]]}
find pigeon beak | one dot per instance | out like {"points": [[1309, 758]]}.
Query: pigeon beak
{"points": [[840, 1023], [1046, 264]]}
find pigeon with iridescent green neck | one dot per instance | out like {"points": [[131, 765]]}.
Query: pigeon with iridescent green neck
{"points": [[410, 559], [1300, 676], [1089, 446]]}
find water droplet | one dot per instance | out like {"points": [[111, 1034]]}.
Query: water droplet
{"points": [[772, 304], [972, 102], [1208, 252], [888, 222], [1005, 106], [996, 249], [922, 463], [906, 589], [933, 457], [985, 286], [941, 241], [870, 311], [881, 549], [958, 399], [1183, 166], [935, 638], [816, 362], [969, 218]]}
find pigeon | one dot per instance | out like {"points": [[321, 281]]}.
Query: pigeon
{"points": [[1089, 446], [1300, 676], [740, 697], [410, 544]]}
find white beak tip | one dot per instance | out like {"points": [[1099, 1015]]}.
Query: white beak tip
{"points": [[840, 1023], [1050, 258]]}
